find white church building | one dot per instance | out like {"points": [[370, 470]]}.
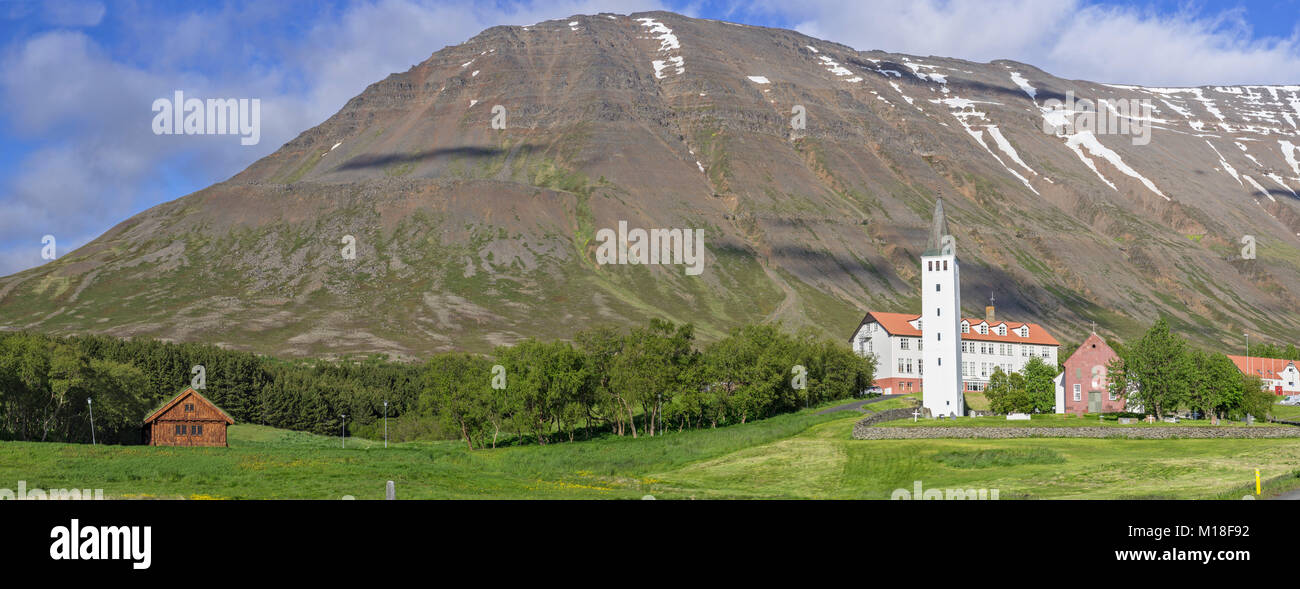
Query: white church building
{"points": [[938, 351]]}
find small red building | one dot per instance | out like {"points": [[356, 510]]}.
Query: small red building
{"points": [[1087, 381], [190, 419]]}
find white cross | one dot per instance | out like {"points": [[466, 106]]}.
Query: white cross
{"points": [[915, 413]]}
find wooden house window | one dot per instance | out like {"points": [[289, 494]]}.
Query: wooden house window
{"points": [[180, 430], [189, 407]]}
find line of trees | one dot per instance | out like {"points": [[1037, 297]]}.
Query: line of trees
{"points": [[636, 382], [1162, 374], [639, 383]]}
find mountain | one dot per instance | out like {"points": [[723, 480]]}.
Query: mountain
{"points": [[468, 236]]}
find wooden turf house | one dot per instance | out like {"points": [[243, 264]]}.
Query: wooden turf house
{"points": [[190, 419]]}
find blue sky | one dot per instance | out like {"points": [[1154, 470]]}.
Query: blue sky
{"points": [[78, 77]]}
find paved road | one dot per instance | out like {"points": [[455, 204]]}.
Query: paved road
{"points": [[856, 405], [1291, 495]]}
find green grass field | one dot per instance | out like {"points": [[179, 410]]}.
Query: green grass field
{"points": [[1287, 412], [802, 455]]}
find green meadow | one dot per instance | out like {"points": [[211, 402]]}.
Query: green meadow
{"points": [[795, 456]]}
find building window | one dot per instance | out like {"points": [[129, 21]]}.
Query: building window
{"points": [[938, 337], [938, 312], [920, 369], [1077, 395], [945, 264], [189, 407], [900, 365], [936, 288], [1113, 396], [902, 344], [180, 430], [965, 327]]}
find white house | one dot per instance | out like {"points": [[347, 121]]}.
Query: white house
{"points": [[1280, 376]]}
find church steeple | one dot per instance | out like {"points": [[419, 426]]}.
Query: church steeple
{"points": [[938, 229]]}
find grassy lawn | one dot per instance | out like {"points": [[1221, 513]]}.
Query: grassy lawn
{"points": [[823, 463], [802, 455], [264, 462], [1287, 412]]}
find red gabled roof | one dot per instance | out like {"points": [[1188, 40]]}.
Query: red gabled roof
{"points": [[177, 399], [1270, 368], [900, 324]]}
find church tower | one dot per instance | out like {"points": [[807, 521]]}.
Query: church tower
{"points": [[941, 321]]}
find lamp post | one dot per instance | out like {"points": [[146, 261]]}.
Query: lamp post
{"points": [[91, 406], [385, 424], [1247, 334], [343, 429]]}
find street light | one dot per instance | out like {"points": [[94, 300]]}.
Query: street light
{"points": [[1247, 334], [343, 429], [385, 424], [91, 406]]}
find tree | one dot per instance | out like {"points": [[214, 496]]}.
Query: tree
{"points": [[1008, 393], [1256, 400], [1215, 384], [455, 386], [1154, 372], [1040, 385]]}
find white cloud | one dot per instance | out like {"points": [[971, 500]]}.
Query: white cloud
{"points": [[73, 13], [90, 107], [1068, 38]]}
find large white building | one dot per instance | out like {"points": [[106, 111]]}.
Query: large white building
{"points": [[939, 351], [1280, 376]]}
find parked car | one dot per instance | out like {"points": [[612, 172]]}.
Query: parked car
{"points": [[872, 391]]}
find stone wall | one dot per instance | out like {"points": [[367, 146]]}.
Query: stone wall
{"points": [[867, 432], [881, 417]]}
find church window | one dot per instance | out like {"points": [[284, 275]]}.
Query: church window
{"points": [[929, 266], [938, 311], [938, 336], [945, 264], [936, 288]]}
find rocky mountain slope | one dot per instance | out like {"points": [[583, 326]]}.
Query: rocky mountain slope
{"points": [[469, 236]]}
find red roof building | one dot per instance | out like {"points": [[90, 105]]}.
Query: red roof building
{"points": [[987, 344], [1280, 376]]}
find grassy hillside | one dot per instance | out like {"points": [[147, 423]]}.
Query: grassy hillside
{"points": [[802, 455]]}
